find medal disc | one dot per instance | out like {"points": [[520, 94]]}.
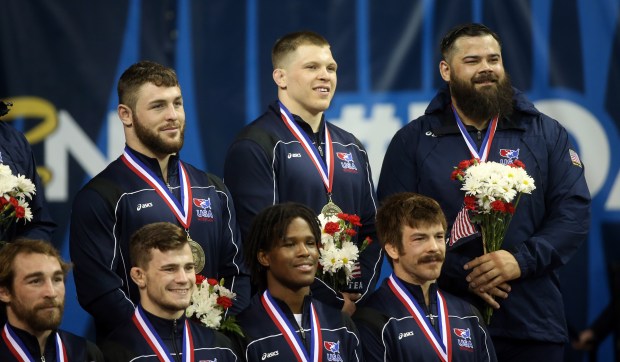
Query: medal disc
{"points": [[198, 253]]}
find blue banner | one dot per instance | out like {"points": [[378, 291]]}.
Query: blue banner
{"points": [[61, 61]]}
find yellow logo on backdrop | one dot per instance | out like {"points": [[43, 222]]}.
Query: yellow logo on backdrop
{"points": [[44, 113]]}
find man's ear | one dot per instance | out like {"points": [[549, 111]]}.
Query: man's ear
{"points": [[125, 114], [138, 276], [391, 250], [263, 258], [444, 70], [5, 295], [279, 76]]}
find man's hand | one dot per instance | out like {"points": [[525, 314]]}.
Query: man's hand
{"points": [[349, 302], [492, 270], [585, 341]]}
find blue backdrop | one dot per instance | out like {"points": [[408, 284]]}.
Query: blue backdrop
{"points": [[60, 61]]}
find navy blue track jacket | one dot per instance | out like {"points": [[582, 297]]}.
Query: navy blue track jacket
{"points": [[389, 332], [78, 349], [548, 227], [264, 342], [126, 342]]}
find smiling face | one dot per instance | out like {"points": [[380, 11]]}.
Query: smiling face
{"points": [[307, 81], [292, 262], [479, 85], [423, 253], [167, 282], [156, 127], [36, 301]]}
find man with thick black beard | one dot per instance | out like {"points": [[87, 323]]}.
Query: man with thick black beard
{"points": [[32, 289], [149, 183], [479, 115]]}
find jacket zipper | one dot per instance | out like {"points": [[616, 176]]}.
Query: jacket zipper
{"points": [[174, 341]]}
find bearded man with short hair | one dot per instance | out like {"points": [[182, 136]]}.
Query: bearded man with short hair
{"points": [[32, 289], [478, 114]]}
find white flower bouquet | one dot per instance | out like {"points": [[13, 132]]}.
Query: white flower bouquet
{"points": [[492, 194], [339, 253], [14, 193]]}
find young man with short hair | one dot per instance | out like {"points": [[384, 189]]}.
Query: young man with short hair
{"points": [[150, 183], [292, 154], [164, 271], [284, 321]]}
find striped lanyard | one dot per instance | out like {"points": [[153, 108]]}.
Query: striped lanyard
{"points": [[442, 342], [182, 210], [19, 350], [481, 154], [152, 338], [287, 330], [324, 168]]}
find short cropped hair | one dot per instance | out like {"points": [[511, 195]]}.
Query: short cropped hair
{"points": [[268, 228], [406, 209], [162, 236], [470, 30], [290, 42], [25, 246], [141, 73]]}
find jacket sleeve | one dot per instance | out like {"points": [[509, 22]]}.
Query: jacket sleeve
{"points": [[232, 267], [42, 225], [250, 179], [567, 203], [355, 342], [486, 350], [95, 255], [371, 258], [370, 323], [398, 172]]}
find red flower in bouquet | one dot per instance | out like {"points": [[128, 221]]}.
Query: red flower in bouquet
{"points": [[14, 193], [209, 302]]}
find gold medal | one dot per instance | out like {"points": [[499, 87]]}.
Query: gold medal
{"points": [[198, 253], [330, 209]]}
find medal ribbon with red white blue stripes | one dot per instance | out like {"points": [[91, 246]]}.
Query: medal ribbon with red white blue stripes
{"points": [[326, 171], [181, 211], [19, 350], [443, 345], [155, 342], [287, 330], [485, 147]]}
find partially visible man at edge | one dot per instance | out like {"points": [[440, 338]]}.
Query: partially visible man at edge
{"points": [[32, 289]]}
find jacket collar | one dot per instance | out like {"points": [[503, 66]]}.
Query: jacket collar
{"points": [[165, 327], [303, 124], [417, 293], [32, 343], [153, 165]]}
